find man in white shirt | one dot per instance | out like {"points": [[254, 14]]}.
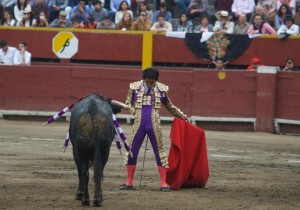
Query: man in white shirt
{"points": [[288, 28], [22, 57], [161, 25], [243, 6], [6, 53]]}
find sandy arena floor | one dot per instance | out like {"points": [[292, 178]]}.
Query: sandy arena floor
{"points": [[247, 171]]}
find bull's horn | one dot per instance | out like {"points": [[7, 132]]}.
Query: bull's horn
{"points": [[124, 106]]}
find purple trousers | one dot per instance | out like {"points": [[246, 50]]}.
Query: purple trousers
{"points": [[144, 128]]}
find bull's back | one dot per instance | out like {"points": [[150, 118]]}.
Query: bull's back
{"points": [[91, 121]]}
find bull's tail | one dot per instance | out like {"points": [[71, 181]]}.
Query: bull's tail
{"points": [[98, 168]]}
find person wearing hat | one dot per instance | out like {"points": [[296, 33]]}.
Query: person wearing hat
{"points": [[288, 28], [61, 21], [27, 20], [255, 62], [99, 12], [57, 6], [19, 8], [223, 24]]}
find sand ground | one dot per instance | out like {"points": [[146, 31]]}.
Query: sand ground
{"points": [[247, 171]]}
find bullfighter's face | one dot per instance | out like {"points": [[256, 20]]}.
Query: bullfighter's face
{"points": [[150, 83]]}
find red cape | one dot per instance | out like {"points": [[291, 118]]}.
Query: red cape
{"points": [[188, 164]]}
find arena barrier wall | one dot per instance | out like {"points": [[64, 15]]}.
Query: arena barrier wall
{"points": [[266, 100]]}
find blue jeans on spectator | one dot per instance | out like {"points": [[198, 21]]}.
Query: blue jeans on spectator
{"points": [[183, 5]]}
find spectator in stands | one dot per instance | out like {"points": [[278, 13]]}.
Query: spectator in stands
{"points": [[290, 3], [243, 6], [198, 8], [8, 4], [204, 26], [260, 27], [242, 26], [6, 53], [73, 3], [91, 24], [255, 62], [22, 56], [31, 2], [288, 28], [142, 23], [182, 24], [89, 5], [27, 20], [183, 5], [38, 7], [162, 11], [61, 21], [145, 8], [42, 22], [114, 6], [7, 19], [106, 24], [161, 25], [296, 17], [125, 23], [220, 64], [57, 6], [79, 13], [290, 65], [269, 7], [282, 12], [123, 8], [224, 25], [76, 24], [1, 12], [168, 2], [99, 12], [19, 9], [260, 11], [221, 5]]}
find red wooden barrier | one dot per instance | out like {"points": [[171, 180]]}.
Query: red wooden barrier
{"points": [[204, 93]]}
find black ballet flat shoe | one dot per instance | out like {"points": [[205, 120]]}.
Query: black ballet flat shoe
{"points": [[165, 189], [126, 187]]}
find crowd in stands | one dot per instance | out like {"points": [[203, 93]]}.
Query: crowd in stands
{"points": [[227, 16]]}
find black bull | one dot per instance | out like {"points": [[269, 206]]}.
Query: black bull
{"points": [[91, 133]]}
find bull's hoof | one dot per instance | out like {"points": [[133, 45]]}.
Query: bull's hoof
{"points": [[85, 202], [97, 203], [79, 195]]}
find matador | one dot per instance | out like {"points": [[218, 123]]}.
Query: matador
{"points": [[145, 98]]}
